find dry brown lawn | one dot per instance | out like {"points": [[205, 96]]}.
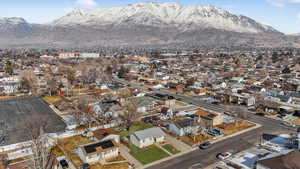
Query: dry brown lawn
{"points": [[296, 121], [232, 128], [198, 139], [52, 99], [111, 166], [118, 158], [266, 113], [68, 145]]}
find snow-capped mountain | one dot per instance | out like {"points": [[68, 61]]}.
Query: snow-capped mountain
{"points": [[12, 21], [145, 24], [165, 15], [15, 26]]}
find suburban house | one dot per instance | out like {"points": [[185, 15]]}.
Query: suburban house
{"points": [[98, 151], [9, 85], [183, 127], [210, 119], [147, 137], [106, 134], [286, 160], [107, 108], [145, 104], [242, 99]]}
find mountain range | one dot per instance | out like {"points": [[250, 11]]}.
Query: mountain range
{"points": [[145, 24]]}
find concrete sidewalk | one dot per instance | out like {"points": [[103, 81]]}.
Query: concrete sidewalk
{"points": [[193, 149], [125, 153], [179, 145]]}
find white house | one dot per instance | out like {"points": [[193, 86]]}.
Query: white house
{"points": [[147, 137], [98, 151], [183, 127], [10, 84]]}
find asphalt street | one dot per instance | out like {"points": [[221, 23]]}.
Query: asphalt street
{"points": [[201, 158]]}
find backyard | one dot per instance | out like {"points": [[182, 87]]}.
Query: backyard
{"points": [[68, 145], [52, 99], [135, 127], [147, 155]]}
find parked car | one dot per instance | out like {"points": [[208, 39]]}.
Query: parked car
{"points": [[260, 114], [252, 108], [215, 132], [232, 114], [64, 163], [288, 124], [224, 155], [205, 145], [86, 166]]}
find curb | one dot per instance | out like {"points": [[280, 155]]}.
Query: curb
{"points": [[193, 149]]}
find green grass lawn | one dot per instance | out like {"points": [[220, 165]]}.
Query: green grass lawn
{"points": [[147, 155], [136, 127], [171, 149]]}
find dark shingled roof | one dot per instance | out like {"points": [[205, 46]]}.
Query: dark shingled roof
{"points": [[15, 110], [91, 148], [286, 161]]}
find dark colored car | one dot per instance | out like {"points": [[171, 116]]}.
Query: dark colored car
{"points": [[86, 166], [64, 163], [205, 145]]}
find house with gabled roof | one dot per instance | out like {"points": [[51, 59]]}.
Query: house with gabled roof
{"points": [[183, 127], [147, 137], [98, 151]]}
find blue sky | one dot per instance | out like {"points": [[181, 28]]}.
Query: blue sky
{"points": [[283, 15]]}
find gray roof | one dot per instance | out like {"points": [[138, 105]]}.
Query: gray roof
{"points": [[14, 111], [143, 101], [150, 132]]}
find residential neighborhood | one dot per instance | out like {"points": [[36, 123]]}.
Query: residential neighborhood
{"points": [[89, 110]]}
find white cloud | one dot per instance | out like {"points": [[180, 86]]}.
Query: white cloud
{"points": [[282, 3], [86, 4]]}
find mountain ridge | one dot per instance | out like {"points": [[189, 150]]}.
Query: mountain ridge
{"points": [[175, 14], [145, 24]]}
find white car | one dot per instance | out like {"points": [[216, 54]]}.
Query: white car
{"points": [[288, 124], [224, 155]]}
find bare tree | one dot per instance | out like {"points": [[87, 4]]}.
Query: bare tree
{"points": [[130, 113], [3, 132], [86, 113], [3, 161], [29, 80], [69, 73], [35, 127], [124, 93], [241, 113], [51, 82]]}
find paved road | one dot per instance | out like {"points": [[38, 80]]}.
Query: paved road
{"points": [[202, 158]]}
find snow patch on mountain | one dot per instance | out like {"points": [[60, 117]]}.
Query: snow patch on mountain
{"points": [[166, 14]]}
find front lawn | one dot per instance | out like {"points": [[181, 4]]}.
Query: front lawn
{"points": [[111, 166], [171, 149], [147, 155], [233, 128], [136, 127], [296, 121], [196, 139]]}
